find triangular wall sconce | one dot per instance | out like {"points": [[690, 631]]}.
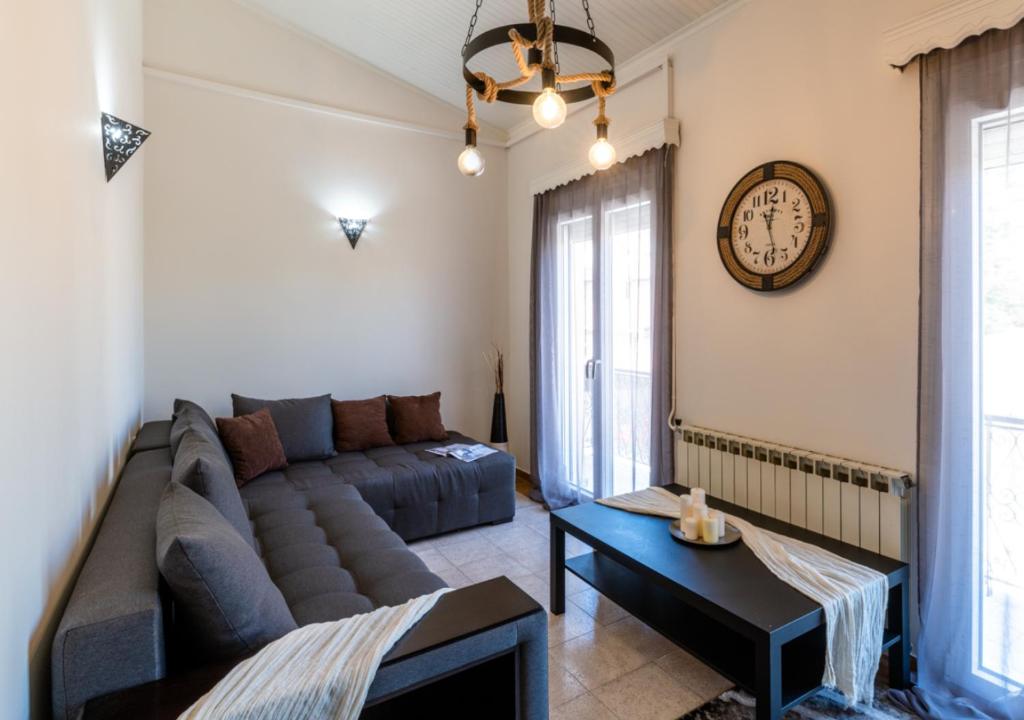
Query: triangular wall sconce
{"points": [[353, 229], [120, 141]]}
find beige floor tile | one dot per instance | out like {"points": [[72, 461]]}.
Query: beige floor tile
{"points": [[585, 707], [535, 588], [647, 693], [570, 624], [694, 675], [456, 538], [596, 660], [539, 564], [505, 536], [434, 560], [469, 551], [543, 529], [574, 547], [598, 606], [532, 515], [562, 686], [492, 567], [454, 577], [573, 585], [524, 501], [630, 631]]}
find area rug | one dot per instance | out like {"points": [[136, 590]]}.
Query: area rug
{"points": [[738, 705]]}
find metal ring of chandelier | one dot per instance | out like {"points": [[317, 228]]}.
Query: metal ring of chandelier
{"points": [[562, 34]]}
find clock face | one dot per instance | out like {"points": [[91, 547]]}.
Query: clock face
{"points": [[771, 227], [774, 226]]}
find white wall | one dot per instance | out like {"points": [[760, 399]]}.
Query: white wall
{"points": [[71, 318], [831, 364], [250, 285]]}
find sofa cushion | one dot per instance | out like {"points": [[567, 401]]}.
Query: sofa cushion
{"points": [[253, 444], [188, 414], [202, 465], [304, 424], [360, 424], [328, 552], [417, 418], [222, 590]]}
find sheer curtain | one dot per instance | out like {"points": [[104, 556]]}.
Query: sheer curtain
{"points": [[965, 91], [600, 335]]}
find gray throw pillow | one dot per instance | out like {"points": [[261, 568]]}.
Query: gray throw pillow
{"points": [[222, 591], [203, 466], [188, 414], [305, 425]]}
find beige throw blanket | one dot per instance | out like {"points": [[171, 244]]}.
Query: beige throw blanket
{"points": [[318, 671], [854, 597]]}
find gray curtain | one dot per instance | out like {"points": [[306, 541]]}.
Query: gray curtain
{"points": [[590, 208], [960, 88]]}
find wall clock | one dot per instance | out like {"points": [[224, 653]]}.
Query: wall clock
{"points": [[775, 226]]}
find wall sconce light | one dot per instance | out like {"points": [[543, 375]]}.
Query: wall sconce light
{"points": [[120, 141], [353, 229]]}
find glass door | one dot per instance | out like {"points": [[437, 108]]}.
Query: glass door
{"points": [[999, 319], [605, 354]]}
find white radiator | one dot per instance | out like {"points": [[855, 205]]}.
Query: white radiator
{"points": [[861, 504]]}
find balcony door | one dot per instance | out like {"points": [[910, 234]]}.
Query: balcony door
{"points": [[604, 321]]}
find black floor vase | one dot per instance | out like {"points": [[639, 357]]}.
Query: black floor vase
{"points": [[499, 428]]}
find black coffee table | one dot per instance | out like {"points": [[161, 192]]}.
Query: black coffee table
{"points": [[722, 605]]}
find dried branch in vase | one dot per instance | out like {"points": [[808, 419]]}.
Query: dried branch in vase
{"points": [[496, 361]]}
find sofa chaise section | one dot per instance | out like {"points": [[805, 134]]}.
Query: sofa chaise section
{"points": [[328, 552]]}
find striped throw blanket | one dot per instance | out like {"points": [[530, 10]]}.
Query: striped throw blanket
{"points": [[318, 671], [854, 597]]}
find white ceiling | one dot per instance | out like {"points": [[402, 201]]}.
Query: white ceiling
{"points": [[420, 41]]}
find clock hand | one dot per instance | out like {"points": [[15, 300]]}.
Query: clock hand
{"points": [[769, 219]]}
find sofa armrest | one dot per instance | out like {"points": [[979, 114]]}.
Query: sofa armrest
{"points": [[153, 435], [466, 626]]}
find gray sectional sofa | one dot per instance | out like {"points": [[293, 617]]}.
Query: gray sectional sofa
{"points": [[331, 534]]}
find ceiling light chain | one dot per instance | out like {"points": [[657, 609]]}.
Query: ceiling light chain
{"points": [[590, 19], [472, 25], [549, 105], [558, 65]]}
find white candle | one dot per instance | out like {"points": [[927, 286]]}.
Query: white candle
{"points": [[690, 529], [719, 517], [709, 530], [684, 506], [699, 496]]}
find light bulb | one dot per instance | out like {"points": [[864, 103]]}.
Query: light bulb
{"points": [[602, 154], [471, 162], [549, 109]]}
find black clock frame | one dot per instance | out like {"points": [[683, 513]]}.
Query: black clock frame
{"points": [[817, 244]]}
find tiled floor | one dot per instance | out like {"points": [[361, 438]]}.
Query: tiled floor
{"points": [[604, 663]]}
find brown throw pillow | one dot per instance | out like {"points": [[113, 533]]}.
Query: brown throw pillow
{"points": [[417, 418], [253, 444], [360, 424]]}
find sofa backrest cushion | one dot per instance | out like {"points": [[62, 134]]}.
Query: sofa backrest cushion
{"points": [[360, 424], [304, 425], [202, 465], [253, 444], [188, 414], [417, 418], [221, 588]]}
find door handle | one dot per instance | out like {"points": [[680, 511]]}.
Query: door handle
{"points": [[588, 370]]}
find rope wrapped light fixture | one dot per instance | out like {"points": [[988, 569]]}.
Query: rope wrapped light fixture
{"points": [[539, 39]]}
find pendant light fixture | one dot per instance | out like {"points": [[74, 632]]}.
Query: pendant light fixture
{"points": [[535, 49], [471, 160]]}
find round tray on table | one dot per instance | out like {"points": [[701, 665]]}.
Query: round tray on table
{"points": [[730, 537]]}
